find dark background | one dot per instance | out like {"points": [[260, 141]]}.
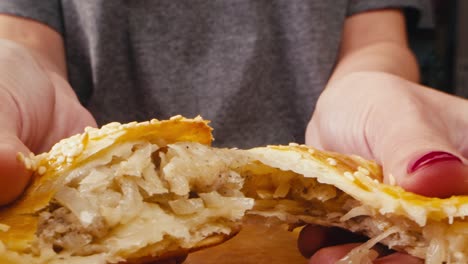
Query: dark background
{"points": [[440, 43]]}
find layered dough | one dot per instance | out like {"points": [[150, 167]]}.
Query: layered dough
{"points": [[140, 196], [145, 191]]}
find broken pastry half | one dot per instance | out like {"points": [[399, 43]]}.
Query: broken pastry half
{"points": [[141, 192]]}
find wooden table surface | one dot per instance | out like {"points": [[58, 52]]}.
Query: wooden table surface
{"points": [[256, 243]]}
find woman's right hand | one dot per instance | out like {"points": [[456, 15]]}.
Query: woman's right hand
{"points": [[417, 134], [37, 108]]}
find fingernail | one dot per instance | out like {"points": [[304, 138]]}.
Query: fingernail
{"points": [[430, 159]]}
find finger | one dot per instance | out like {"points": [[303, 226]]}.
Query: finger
{"points": [[69, 118], [330, 255], [312, 136], [312, 238], [437, 173], [13, 175], [416, 150], [443, 173], [456, 119], [333, 254], [418, 155]]}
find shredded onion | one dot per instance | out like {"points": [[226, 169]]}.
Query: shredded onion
{"points": [[364, 253], [132, 202], [77, 204], [356, 211], [282, 190], [436, 252], [186, 206], [230, 207]]}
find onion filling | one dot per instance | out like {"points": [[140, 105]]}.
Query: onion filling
{"points": [[138, 194], [185, 191]]}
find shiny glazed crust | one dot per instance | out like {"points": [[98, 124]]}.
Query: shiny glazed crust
{"points": [[359, 178], [21, 217]]}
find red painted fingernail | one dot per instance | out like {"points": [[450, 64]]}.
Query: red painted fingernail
{"points": [[432, 158]]}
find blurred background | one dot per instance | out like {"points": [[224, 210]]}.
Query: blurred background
{"points": [[440, 43]]}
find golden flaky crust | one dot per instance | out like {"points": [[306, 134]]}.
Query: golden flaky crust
{"points": [[22, 218], [361, 179], [429, 228], [352, 176]]}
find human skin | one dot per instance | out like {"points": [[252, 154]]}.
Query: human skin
{"points": [[373, 106], [375, 79], [38, 107]]}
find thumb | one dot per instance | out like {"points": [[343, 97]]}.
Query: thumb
{"points": [[419, 155], [64, 117], [436, 171], [13, 175], [443, 172]]}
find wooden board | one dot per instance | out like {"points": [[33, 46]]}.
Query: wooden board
{"points": [[258, 242]]}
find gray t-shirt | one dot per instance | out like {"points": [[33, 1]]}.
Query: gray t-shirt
{"points": [[253, 67]]}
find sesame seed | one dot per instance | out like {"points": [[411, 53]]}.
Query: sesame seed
{"points": [[33, 165], [331, 161], [175, 117], [364, 171], [41, 170], [27, 163], [60, 159], [292, 144], [358, 174], [133, 123], [113, 125], [348, 175]]}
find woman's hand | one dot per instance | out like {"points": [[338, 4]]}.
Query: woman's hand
{"points": [[416, 133], [328, 245], [37, 108]]}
